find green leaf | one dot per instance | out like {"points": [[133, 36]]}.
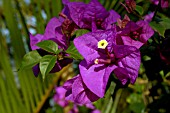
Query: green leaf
{"points": [[165, 22], [46, 64], [59, 50], [146, 58], [30, 59], [167, 75], [137, 107], [139, 9], [73, 52], [158, 28], [134, 98], [48, 45], [80, 32]]}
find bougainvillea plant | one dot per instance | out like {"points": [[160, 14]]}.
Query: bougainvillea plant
{"points": [[108, 47]]}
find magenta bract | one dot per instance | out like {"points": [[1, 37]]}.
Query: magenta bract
{"points": [[134, 34], [95, 70], [78, 92], [91, 16]]}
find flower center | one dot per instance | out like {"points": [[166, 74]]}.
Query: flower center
{"points": [[134, 35], [99, 23], [60, 56], [102, 44]]}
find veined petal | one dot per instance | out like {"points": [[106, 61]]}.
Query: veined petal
{"points": [[34, 40], [112, 18], [121, 74], [96, 77], [128, 41], [135, 34], [53, 32], [131, 63], [147, 31], [122, 51], [95, 10], [130, 27], [87, 44], [76, 10], [50, 28], [81, 94], [78, 92]]}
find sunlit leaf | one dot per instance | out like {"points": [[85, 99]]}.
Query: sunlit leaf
{"points": [[46, 64], [167, 75], [73, 52], [80, 32], [137, 107], [30, 59], [48, 45], [165, 22], [139, 9], [158, 28]]}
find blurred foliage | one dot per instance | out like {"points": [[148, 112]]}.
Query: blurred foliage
{"points": [[21, 92]]}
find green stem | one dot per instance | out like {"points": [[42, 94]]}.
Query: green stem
{"points": [[68, 57], [116, 101]]}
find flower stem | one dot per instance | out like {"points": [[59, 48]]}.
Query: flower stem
{"points": [[68, 57], [116, 100]]}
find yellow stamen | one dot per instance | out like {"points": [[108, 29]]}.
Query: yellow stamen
{"points": [[102, 44]]}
